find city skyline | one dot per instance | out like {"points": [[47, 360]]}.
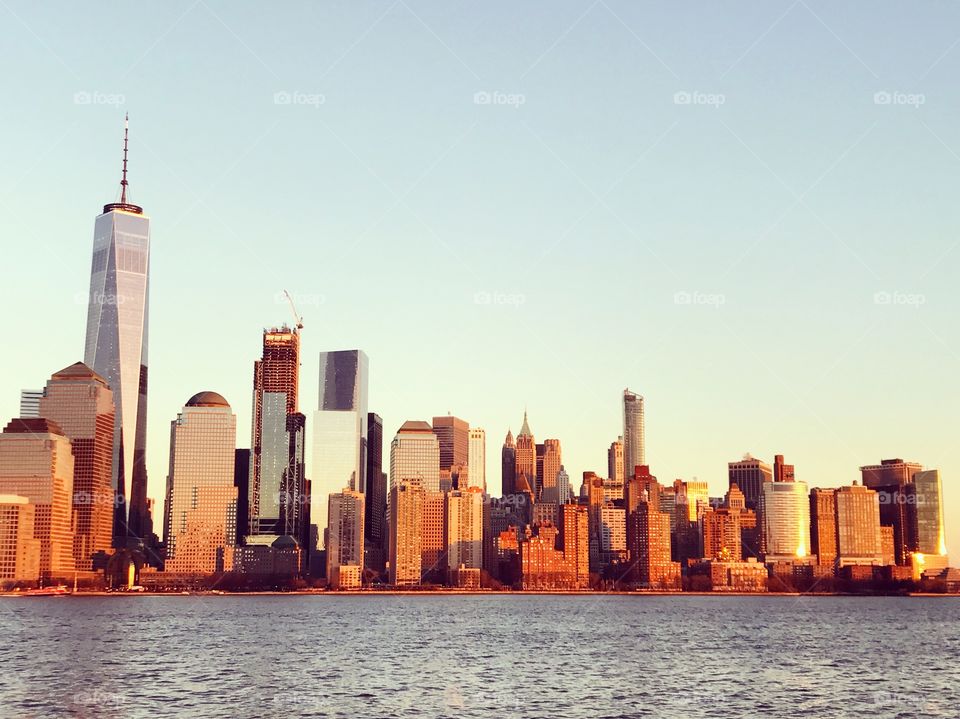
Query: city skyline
{"points": [[809, 387]]}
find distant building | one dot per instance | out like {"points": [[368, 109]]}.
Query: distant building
{"points": [[552, 464], [542, 564], [500, 515], [36, 462], [30, 403], [201, 495], [453, 435], [241, 480], [858, 526], [375, 513], [730, 576], [634, 441], [508, 465], [406, 524], [526, 453], [782, 472], [750, 475], [19, 549], [892, 479], [433, 539], [345, 539], [785, 512], [611, 534], [78, 401], [721, 534], [464, 521], [615, 462], [477, 459], [575, 540], [930, 533], [415, 454], [823, 526]]}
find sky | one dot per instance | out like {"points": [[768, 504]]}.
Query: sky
{"points": [[746, 213]]}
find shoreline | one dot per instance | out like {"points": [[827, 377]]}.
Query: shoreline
{"points": [[456, 592]]}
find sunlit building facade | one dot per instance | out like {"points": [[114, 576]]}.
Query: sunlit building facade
{"points": [[79, 401], [858, 526], [406, 523], [634, 438], [345, 539], [19, 549], [615, 461], [464, 522], [785, 513], [477, 459], [415, 454], [823, 526], [453, 434], [30, 402], [201, 495], [930, 533], [750, 475], [36, 462]]}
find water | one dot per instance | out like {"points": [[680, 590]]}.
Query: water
{"points": [[479, 656]]}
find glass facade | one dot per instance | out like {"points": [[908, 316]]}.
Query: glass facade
{"points": [[116, 348], [477, 460], [786, 520], [929, 512], [634, 446], [415, 454]]}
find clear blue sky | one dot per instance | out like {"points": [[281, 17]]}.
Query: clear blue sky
{"points": [[782, 199]]}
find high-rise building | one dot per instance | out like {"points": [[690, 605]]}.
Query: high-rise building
{"points": [[406, 523], [78, 401], [893, 479], [615, 461], [550, 469], [241, 480], [453, 434], [928, 513], [345, 539], [823, 526], [375, 513], [564, 488], [526, 467], [19, 549], [277, 501], [201, 495], [30, 402], [433, 538], [339, 458], [782, 472], [116, 347], [750, 475], [508, 466], [721, 534], [858, 526], [477, 459], [785, 513], [464, 521], [36, 462], [574, 527], [415, 454], [634, 441]]}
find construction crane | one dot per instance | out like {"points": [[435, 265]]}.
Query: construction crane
{"points": [[297, 318]]}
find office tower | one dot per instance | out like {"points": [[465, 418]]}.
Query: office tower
{"points": [[526, 467], [345, 539], [564, 488], [116, 347], [241, 480], [464, 521], [634, 443], [648, 545], [406, 510], [453, 434], [696, 495], [574, 527], [615, 461], [499, 515], [823, 526], [508, 466], [415, 454], [277, 500], [19, 549], [782, 472], [30, 402], [611, 534], [433, 539], [477, 459], [785, 514], [749, 531], [892, 479], [750, 474], [550, 469], [928, 513], [201, 495], [375, 513], [339, 457], [79, 402], [858, 526], [36, 462], [721, 534]]}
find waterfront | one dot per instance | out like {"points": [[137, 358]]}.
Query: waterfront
{"points": [[479, 656]]}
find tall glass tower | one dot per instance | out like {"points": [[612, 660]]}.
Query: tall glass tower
{"points": [[116, 347], [634, 444]]}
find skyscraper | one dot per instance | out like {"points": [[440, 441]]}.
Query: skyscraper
{"points": [[201, 495], [750, 474], [415, 454], [30, 402], [78, 400], [19, 549], [36, 462], [477, 459], [116, 346], [634, 444], [785, 514], [406, 516], [551, 464], [782, 472], [508, 466], [858, 526], [526, 459], [823, 525], [339, 430], [453, 434], [345, 539], [893, 479], [375, 498], [464, 521], [928, 514], [277, 487], [615, 461]]}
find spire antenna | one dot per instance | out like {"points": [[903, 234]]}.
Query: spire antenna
{"points": [[123, 182]]}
